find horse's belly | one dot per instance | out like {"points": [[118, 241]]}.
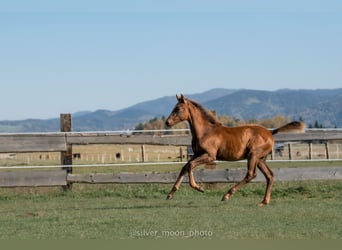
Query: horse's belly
{"points": [[231, 155], [233, 158]]}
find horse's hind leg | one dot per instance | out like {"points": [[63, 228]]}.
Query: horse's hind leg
{"points": [[251, 174], [262, 165]]}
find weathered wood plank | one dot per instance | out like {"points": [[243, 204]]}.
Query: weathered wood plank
{"points": [[55, 142], [15, 143], [61, 178], [107, 138], [314, 173], [58, 141], [310, 136], [148, 177], [211, 176], [33, 178], [184, 140]]}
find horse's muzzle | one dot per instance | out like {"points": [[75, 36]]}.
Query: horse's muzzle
{"points": [[167, 123]]}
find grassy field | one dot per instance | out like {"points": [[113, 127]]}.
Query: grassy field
{"points": [[298, 210]]}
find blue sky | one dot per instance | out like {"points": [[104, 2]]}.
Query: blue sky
{"points": [[68, 56]]}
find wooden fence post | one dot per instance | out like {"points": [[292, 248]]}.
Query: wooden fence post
{"points": [[143, 153], [310, 151], [180, 154], [290, 151], [327, 151], [66, 156]]}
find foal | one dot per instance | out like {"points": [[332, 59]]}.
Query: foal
{"points": [[213, 141]]}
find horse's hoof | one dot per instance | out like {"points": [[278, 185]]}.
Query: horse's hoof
{"points": [[261, 204], [224, 199], [169, 197]]}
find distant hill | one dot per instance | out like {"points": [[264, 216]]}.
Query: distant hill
{"points": [[324, 106]]}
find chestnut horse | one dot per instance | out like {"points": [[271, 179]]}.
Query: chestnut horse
{"points": [[213, 141]]}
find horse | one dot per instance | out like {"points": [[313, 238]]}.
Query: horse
{"points": [[212, 141]]}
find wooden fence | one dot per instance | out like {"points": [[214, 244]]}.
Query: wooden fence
{"points": [[63, 141]]}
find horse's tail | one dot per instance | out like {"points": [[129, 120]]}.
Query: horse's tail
{"points": [[292, 127]]}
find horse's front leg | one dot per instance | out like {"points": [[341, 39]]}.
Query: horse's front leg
{"points": [[178, 181], [194, 162], [193, 183]]}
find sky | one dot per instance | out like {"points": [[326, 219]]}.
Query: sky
{"points": [[68, 56]]}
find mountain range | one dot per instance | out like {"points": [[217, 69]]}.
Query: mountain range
{"points": [[320, 105]]}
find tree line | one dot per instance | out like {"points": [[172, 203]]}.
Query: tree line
{"points": [[229, 121]]}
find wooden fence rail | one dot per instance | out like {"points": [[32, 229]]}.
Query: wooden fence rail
{"points": [[64, 140], [210, 176], [58, 142], [62, 178]]}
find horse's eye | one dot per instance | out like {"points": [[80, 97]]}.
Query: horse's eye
{"points": [[176, 110]]}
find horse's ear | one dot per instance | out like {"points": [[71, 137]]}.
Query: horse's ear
{"points": [[181, 98]]}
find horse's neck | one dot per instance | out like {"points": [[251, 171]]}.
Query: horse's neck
{"points": [[198, 124]]}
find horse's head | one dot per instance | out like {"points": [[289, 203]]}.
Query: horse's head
{"points": [[179, 113]]}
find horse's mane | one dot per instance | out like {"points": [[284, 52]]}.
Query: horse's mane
{"points": [[207, 114]]}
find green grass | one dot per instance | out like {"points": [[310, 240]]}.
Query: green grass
{"points": [[298, 210]]}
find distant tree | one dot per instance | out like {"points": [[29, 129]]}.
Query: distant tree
{"points": [[153, 124], [275, 121], [228, 121], [316, 125], [252, 121], [140, 126], [157, 124]]}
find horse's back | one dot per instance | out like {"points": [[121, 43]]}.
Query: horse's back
{"points": [[237, 142], [248, 131]]}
